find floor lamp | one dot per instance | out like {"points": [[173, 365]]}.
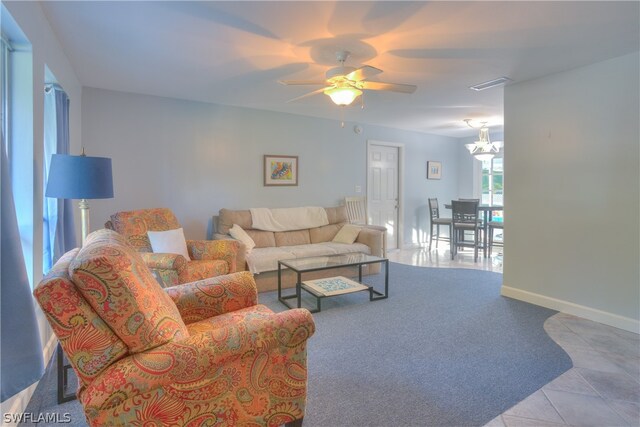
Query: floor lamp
{"points": [[77, 177], [80, 177]]}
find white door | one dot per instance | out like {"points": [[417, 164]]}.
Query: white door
{"points": [[382, 190]]}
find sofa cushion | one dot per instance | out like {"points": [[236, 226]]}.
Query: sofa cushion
{"points": [[229, 217], [115, 281], [239, 234], [262, 239], [266, 259], [325, 233], [343, 248], [291, 238], [347, 234], [337, 214]]}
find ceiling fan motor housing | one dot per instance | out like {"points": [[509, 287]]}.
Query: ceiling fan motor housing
{"points": [[340, 71]]}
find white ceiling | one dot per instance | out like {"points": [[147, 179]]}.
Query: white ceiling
{"points": [[235, 52]]}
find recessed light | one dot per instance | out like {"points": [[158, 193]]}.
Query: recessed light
{"points": [[491, 83]]}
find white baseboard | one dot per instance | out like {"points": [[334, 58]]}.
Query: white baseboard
{"points": [[617, 321], [17, 403]]}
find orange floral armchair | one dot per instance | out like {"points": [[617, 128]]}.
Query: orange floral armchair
{"points": [[203, 353], [209, 258]]}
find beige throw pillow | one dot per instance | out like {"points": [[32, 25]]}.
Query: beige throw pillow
{"points": [[347, 234], [239, 234], [169, 242]]}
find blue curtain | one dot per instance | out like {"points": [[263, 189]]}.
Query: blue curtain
{"points": [[58, 228], [21, 350]]}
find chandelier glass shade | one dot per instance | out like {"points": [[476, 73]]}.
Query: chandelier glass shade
{"points": [[343, 95], [483, 149]]}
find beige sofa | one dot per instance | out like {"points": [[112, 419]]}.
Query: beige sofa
{"points": [[273, 246]]}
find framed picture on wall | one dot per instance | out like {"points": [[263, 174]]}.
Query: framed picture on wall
{"points": [[434, 170], [280, 170]]}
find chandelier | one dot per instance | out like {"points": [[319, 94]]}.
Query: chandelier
{"points": [[483, 148]]}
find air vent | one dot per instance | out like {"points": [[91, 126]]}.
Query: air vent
{"points": [[491, 83]]}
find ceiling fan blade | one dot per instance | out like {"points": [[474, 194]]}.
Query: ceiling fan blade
{"points": [[392, 87], [315, 92], [302, 82], [363, 73]]}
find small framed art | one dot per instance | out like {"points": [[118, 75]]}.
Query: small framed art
{"points": [[434, 170], [280, 170]]}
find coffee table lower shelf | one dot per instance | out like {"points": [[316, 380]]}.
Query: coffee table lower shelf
{"points": [[320, 295]]}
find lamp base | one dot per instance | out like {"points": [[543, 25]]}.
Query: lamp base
{"points": [[84, 214]]}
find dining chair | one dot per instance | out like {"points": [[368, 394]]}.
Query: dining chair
{"points": [[495, 225], [356, 209], [436, 222], [357, 214], [465, 219]]}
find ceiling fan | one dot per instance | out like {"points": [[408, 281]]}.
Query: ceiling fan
{"points": [[344, 84]]}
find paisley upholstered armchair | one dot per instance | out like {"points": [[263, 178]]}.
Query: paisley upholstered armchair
{"points": [[208, 258], [202, 353]]}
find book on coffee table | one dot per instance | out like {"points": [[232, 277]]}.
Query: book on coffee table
{"points": [[334, 286]]}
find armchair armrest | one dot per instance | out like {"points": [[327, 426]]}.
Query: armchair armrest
{"points": [[163, 261], [374, 238], [241, 259], [211, 297], [226, 250], [200, 357]]}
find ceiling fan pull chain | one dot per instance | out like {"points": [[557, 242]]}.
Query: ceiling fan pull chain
{"points": [[342, 117]]}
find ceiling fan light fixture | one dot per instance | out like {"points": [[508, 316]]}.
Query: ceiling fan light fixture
{"points": [[343, 95]]}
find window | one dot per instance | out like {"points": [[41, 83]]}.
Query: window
{"points": [[492, 181], [17, 121]]}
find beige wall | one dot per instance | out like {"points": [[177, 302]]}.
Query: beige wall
{"points": [[572, 194]]}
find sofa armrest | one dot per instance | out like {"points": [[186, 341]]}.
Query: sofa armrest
{"points": [[241, 259], [374, 238], [214, 296], [226, 250], [163, 261], [200, 357]]}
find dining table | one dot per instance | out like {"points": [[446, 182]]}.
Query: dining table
{"points": [[487, 215]]}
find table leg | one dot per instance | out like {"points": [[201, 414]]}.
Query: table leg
{"points": [[279, 281], [299, 289]]}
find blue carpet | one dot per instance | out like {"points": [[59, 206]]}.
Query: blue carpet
{"points": [[445, 349]]}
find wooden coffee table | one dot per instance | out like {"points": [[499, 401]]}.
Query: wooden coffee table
{"points": [[333, 286]]}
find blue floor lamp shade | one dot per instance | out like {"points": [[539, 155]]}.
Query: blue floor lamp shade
{"points": [[80, 177]]}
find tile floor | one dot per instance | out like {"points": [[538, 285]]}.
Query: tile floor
{"points": [[603, 387]]}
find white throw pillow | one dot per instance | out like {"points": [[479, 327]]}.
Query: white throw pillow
{"points": [[169, 242], [347, 234], [239, 234]]}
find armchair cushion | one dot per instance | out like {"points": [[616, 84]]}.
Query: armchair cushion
{"points": [[164, 261], [121, 289], [88, 342], [224, 250], [169, 242], [215, 296], [202, 269]]}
